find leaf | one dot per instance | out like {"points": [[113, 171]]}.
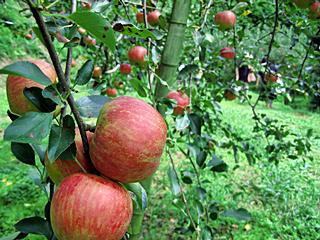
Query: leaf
{"points": [[34, 95], [59, 140], [97, 26], [32, 127], [40, 150], [140, 193], [38, 34], [201, 158], [138, 87], [190, 68], [196, 123], [217, 165], [187, 177], [127, 28], [23, 152], [51, 93], [12, 116], [27, 70], [182, 123], [85, 72], [35, 225], [14, 236], [240, 214], [90, 106], [174, 183]]}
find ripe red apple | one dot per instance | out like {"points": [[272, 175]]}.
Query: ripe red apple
{"points": [[136, 55], [18, 103], [153, 17], [89, 41], [129, 140], [86, 206], [125, 68], [97, 72], [302, 3], [315, 10], [140, 17], [28, 36], [225, 20], [227, 53], [59, 169], [270, 77], [229, 95], [111, 92], [182, 101]]}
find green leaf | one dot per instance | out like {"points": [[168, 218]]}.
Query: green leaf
{"points": [[89, 106], [38, 34], [51, 93], [27, 70], [182, 123], [196, 123], [131, 30], [12, 236], [240, 214], [85, 73], [187, 177], [59, 141], [23, 152], [34, 95], [32, 127], [138, 87], [141, 194], [217, 165], [97, 26], [35, 225], [174, 183]]}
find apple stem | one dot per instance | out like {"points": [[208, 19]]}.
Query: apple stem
{"points": [[62, 79]]}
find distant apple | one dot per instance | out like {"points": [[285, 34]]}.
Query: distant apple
{"points": [[228, 53], [28, 36], [182, 101], [315, 10], [111, 92], [97, 72], [125, 68], [225, 20], [140, 17], [136, 55], [270, 77], [153, 17]]}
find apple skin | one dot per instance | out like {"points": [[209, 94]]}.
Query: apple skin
{"points": [[153, 17], [229, 95], [125, 68], [302, 3], [28, 36], [136, 55], [97, 72], [111, 92], [15, 85], [271, 77], [227, 53], [315, 10], [87, 206], [129, 140], [60, 169], [140, 17], [225, 20], [182, 101]]}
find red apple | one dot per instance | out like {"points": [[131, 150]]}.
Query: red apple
{"points": [[136, 55], [225, 20], [182, 101], [129, 140], [111, 92], [125, 68], [97, 72], [28, 36], [18, 103], [140, 17], [153, 17], [302, 3], [227, 53], [270, 77], [229, 95], [59, 169], [315, 10], [86, 206]]}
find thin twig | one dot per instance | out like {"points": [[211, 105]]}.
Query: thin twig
{"points": [[208, 7]]}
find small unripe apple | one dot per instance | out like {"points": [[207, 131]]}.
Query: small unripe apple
{"points": [[229, 95], [87, 206], [18, 103], [81, 30], [28, 36], [227, 53], [129, 140], [125, 68], [97, 72], [89, 41], [153, 17], [315, 10], [140, 17], [136, 55], [302, 3], [111, 92], [225, 20], [270, 77]]}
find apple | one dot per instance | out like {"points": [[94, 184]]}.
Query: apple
{"points": [[111, 92], [227, 53], [89, 41], [270, 77], [153, 17], [229, 95], [73, 63], [136, 55], [28, 36], [225, 20], [315, 10], [129, 140], [97, 72], [86, 5], [302, 3], [182, 101], [125, 68], [59, 169], [140, 17], [81, 30], [87, 206], [18, 103]]}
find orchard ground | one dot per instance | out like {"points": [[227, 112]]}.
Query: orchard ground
{"points": [[284, 199]]}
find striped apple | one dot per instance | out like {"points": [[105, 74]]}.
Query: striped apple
{"points": [[227, 53]]}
